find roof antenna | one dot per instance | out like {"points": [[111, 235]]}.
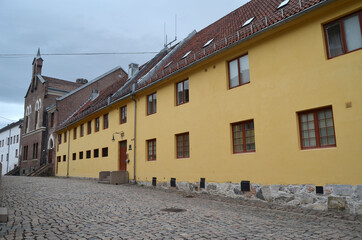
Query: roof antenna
{"points": [[166, 44], [175, 27], [164, 35]]}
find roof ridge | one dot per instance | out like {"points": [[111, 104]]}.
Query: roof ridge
{"points": [[90, 82]]}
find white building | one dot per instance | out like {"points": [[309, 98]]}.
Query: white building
{"points": [[9, 146]]}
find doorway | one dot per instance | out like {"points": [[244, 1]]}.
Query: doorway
{"points": [[50, 156], [123, 155]]}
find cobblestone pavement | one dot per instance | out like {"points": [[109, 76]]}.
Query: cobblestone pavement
{"points": [[58, 208]]}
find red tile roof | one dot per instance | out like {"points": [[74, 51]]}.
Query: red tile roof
{"points": [[229, 30], [115, 91], [225, 32]]}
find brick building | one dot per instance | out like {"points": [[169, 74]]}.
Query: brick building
{"points": [[41, 94], [48, 103], [66, 106]]}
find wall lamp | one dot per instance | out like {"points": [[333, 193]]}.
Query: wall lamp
{"points": [[120, 133]]}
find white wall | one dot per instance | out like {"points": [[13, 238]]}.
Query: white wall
{"points": [[12, 149]]}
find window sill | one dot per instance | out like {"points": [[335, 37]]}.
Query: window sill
{"points": [[237, 153], [181, 104], [238, 85], [319, 148], [328, 58]]}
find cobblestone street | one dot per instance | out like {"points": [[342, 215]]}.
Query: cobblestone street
{"points": [[56, 208]]}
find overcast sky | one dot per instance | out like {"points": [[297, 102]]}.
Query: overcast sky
{"points": [[88, 26]]}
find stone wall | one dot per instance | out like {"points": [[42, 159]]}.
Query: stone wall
{"points": [[346, 198]]}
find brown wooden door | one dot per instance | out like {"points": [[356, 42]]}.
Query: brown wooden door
{"points": [[123, 155]]}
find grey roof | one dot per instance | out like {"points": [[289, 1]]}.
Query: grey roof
{"points": [[90, 82], [11, 125]]}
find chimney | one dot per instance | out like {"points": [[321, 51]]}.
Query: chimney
{"points": [[81, 81], [132, 69]]}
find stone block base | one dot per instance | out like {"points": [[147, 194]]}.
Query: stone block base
{"points": [[119, 177], [113, 177], [342, 198], [3, 215]]}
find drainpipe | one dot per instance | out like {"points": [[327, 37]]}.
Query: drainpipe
{"points": [[68, 152], [134, 140]]}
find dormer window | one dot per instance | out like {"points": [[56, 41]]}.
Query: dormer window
{"points": [[186, 54], [248, 21], [208, 42], [282, 4]]}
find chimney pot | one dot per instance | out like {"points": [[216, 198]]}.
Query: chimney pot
{"points": [[81, 81]]}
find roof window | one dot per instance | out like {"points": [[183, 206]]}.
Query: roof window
{"points": [[282, 4], [208, 42], [168, 64], [186, 54], [248, 21]]}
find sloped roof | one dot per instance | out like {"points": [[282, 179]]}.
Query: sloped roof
{"points": [[90, 105], [56, 83], [11, 125], [92, 81], [60, 84], [113, 92], [229, 31]]}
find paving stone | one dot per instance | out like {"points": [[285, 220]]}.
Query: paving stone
{"points": [[59, 208]]}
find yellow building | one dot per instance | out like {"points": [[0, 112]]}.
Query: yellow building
{"points": [[266, 100]]}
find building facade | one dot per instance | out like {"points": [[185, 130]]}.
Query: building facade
{"points": [[65, 107], [48, 102], [10, 137], [41, 94], [251, 106]]}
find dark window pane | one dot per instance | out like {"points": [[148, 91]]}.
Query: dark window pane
{"points": [[334, 39]]}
